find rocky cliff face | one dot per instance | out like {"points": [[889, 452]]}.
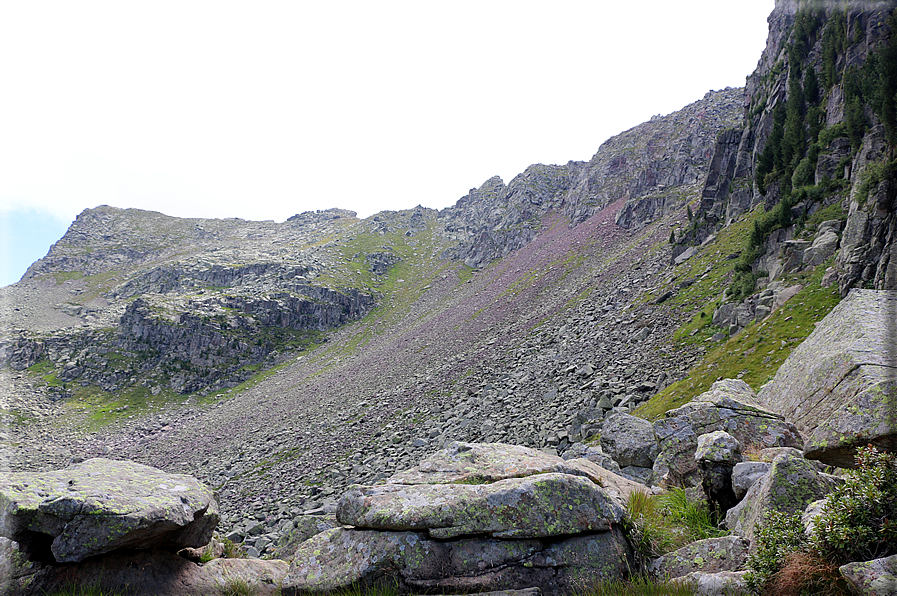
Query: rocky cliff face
{"points": [[654, 167], [182, 304], [818, 131]]}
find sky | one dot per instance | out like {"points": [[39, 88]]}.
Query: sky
{"points": [[262, 110]]}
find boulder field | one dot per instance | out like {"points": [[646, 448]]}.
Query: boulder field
{"points": [[475, 517]]}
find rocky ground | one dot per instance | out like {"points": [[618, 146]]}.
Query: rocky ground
{"points": [[491, 359]]}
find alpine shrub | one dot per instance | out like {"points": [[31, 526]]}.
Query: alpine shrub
{"points": [[781, 535], [859, 519]]}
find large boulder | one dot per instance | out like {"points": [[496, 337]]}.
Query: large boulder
{"points": [[101, 505], [839, 386], [533, 507], [872, 578], [710, 555], [491, 517], [482, 462], [160, 573], [629, 440], [341, 557], [731, 406], [791, 484]]}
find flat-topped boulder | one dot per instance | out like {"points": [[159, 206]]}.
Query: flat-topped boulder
{"points": [[839, 386], [474, 517], [101, 505], [482, 462], [341, 558], [536, 506]]}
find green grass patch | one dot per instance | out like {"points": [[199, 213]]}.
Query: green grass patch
{"points": [[64, 276], [834, 211], [700, 328], [465, 274], [710, 268], [639, 585], [663, 523], [46, 370], [215, 396], [103, 408], [755, 354]]}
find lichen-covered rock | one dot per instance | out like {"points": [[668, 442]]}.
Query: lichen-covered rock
{"points": [[791, 484], [745, 474], [722, 583], [101, 505], [730, 405], [16, 570], [594, 454], [617, 486], [533, 507], [481, 462], [162, 573], [718, 447], [845, 370], [629, 440], [872, 578], [341, 557], [711, 555]]}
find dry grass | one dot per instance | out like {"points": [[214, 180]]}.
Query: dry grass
{"points": [[805, 573]]}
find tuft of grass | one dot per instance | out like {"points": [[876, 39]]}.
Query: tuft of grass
{"points": [[237, 586], [639, 585], [382, 588], [232, 550], [663, 523]]}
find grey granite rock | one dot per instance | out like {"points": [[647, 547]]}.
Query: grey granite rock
{"points": [[102, 505], [845, 370]]}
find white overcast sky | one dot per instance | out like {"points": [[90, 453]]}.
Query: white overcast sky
{"points": [[265, 109]]}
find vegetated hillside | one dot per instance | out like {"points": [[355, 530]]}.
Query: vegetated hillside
{"points": [[708, 240]]}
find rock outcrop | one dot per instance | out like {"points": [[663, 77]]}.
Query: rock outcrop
{"points": [[839, 387], [791, 484], [655, 168], [102, 505], [730, 406], [518, 525]]}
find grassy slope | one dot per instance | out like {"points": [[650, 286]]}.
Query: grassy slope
{"points": [[755, 354]]}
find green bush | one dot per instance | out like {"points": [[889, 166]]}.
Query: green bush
{"points": [[780, 535], [874, 174], [859, 519], [858, 523]]}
